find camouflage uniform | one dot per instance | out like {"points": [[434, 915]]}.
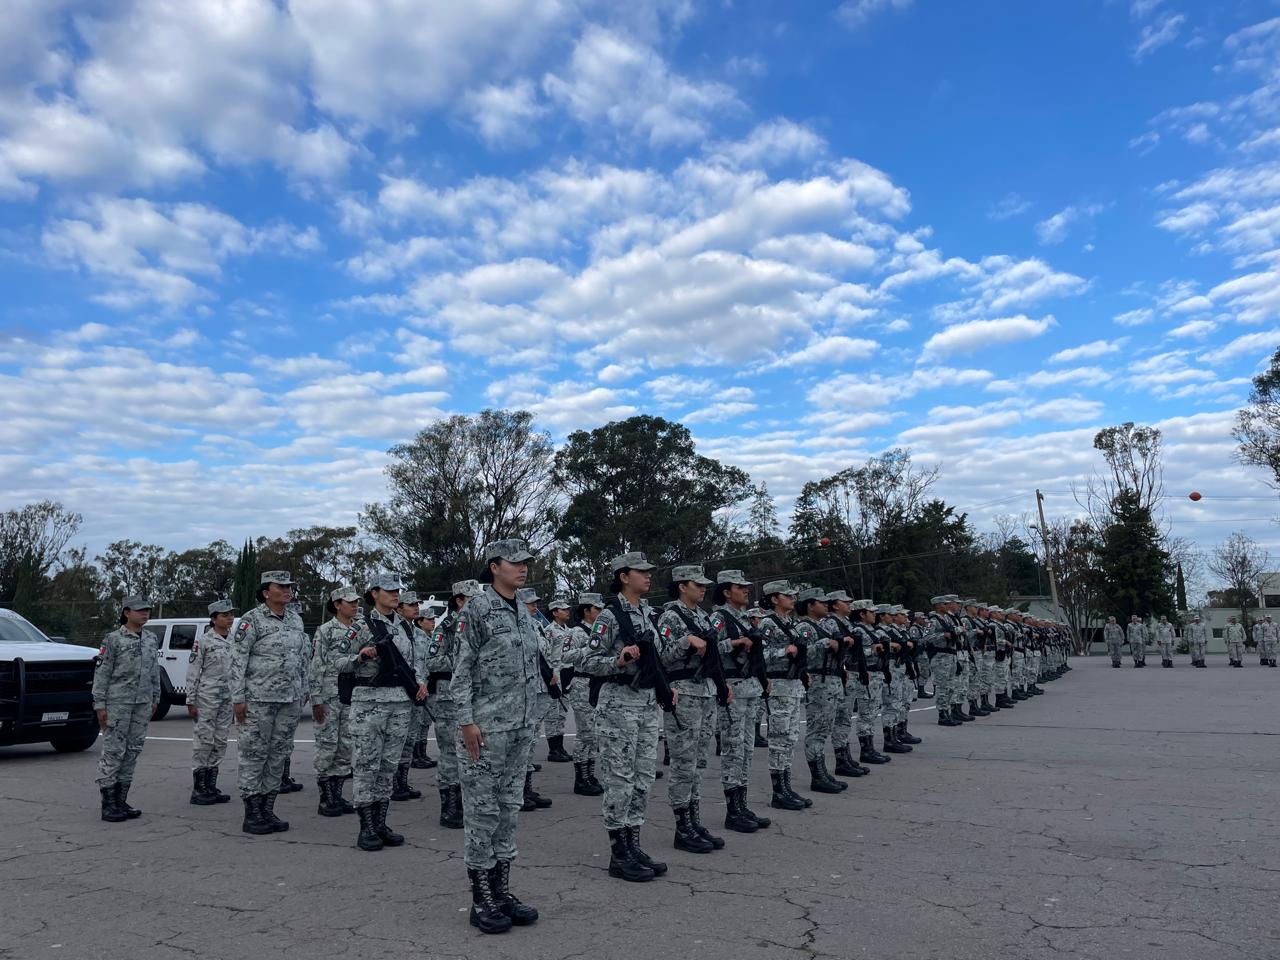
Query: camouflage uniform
{"points": [[209, 691], [685, 737], [1113, 636], [269, 675], [554, 637], [1138, 641], [1197, 639], [944, 637], [380, 715], [126, 684], [1164, 639], [585, 747], [419, 716], [787, 701], [337, 647], [869, 698], [439, 665], [737, 727], [825, 688], [1234, 636], [497, 686]]}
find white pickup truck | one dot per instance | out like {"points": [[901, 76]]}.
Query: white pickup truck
{"points": [[46, 688], [176, 637]]}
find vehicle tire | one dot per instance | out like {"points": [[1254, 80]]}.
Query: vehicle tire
{"points": [[166, 698], [76, 741]]}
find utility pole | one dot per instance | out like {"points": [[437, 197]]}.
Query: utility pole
{"points": [[1048, 556]]}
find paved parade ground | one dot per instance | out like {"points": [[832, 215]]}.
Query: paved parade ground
{"points": [[1124, 813]]}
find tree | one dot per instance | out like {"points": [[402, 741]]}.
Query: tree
{"points": [[1257, 427], [640, 484], [135, 569], [1180, 590], [319, 558], [1077, 549], [244, 580], [201, 573], [25, 586], [1136, 569], [459, 484], [38, 531], [1133, 456], [762, 519], [1238, 562]]}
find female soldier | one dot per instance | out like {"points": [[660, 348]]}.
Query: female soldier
{"points": [[126, 690], [786, 658], [440, 658], [627, 713], [825, 688], [337, 641], [209, 703], [585, 747], [407, 614]]}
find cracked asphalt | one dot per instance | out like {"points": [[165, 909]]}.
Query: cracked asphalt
{"points": [[1123, 813]]}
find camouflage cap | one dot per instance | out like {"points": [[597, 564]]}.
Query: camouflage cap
{"points": [[884, 608], [220, 606], [970, 601], [344, 592], [466, 588], [407, 598], [863, 605], [385, 581], [591, 600], [692, 572], [527, 595], [897, 608], [918, 615], [135, 602], [813, 593], [559, 603], [941, 598], [839, 596], [733, 576], [513, 551], [953, 598], [282, 577], [634, 560], [778, 586]]}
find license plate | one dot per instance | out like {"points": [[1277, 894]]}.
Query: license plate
{"points": [[54, 717]]}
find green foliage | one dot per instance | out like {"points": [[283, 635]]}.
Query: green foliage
{"points": [[1257, 427], [1135, 567], [244, 580], [1180, 589]]}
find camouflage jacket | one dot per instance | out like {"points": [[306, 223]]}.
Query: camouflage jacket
{"points": [[127, 670], [271, 658], [209, 668], [496, 682]]}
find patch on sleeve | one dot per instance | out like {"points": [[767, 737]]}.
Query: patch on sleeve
{"points": [[717, 621], [462, 625], [600, 628], [666, 632], [567, 644], [244, 627], [434, 648], [191, 658], [594, 642], [351, 634]]}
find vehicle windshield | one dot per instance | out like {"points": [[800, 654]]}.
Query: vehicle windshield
{"points": [[19, 631]]}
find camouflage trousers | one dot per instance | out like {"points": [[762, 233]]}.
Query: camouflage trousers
{"points": [[1037, 657], [1266, 649], [897, 697], [945, 694], [446, 720], [378, 732], [1139, 651], [419, 723], [1018, 668], [737, 734], [553, 722], [784, 729], [684, 746], [843, 725], [987, 672], [1235, 649], [825, 694], [1166, 649], [333, 741], [972, 685], [209, 733], [710, 727], [492, 792], [1199, 648], [123, 740], [869, 701], [924, 669], [1000, 674], [584, 721], [1113, 648], [627, 722], [265, 745]]}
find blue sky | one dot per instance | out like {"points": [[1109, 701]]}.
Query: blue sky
{"points": [[247, 245]]}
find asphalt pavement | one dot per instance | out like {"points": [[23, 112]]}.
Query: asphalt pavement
{"points": [[1125, 813]]}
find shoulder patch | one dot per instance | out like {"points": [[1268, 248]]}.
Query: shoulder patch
{"points": [[462, 625], [102, 650], [594, 643], [600, 628], [434, 648], [568, 642], [666, 632], [244, 626], [191, 658]]}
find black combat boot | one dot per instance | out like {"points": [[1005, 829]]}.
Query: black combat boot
{"points": [[761, 822], [596, 785], [389, 836], [687, 838], [330, 804], [211, 781], [922, 693], [1005, 701], [400, 789], [845, 766], [820, 781], [122, 799], [734, 818], [761, 739], [486, 912], [869, 753], [287, 783], [945, 719], [520, 914], [199, 789], [269, 813], [255, 820], [786, 783], [622, 862], [556, 752], [451, 807], [1036, 691], [976, 709], [891, 744], [781, 800], [695, 818], [987, 705], [957, 711], [368, 838], [110, 812], [633, 842], [532, 796], [581, 785], [904, 737]]}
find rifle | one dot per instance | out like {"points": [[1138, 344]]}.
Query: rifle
{"points": [[649, 675], [885, 652], [904, 656], [711, 666], [830, 661], [391, 662], [553, 689], [751, 665]]}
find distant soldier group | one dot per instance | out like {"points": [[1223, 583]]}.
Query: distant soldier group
{"points": [[490, 670], [1163, 636]]}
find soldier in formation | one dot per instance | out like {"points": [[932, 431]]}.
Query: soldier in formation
{"points": [[1113, 636], [335, 646], [1136, 634], [1165, 638], [1197, 635], [1266, 635], [441, 656], [209, 703], [1234, 635]]}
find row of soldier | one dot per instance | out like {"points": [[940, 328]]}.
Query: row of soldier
{"points": [[1163, 636], [493, 670]]}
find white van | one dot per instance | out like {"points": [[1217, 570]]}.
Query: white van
{"points": [[176, 637]]}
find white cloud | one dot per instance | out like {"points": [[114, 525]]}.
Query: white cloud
{"points": [[1194, 329], [1157, 34], [1010, 205], [1055, 228], [568, 406], [1260, 344], [774, 143], [1083, 376], [504, 115], [1189, 219], [828, 351], [1087, 351], [615, 80], [1135, 318], [677, 388], [719, 411], [1067, 410], [977, 335], [856, 13]]}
